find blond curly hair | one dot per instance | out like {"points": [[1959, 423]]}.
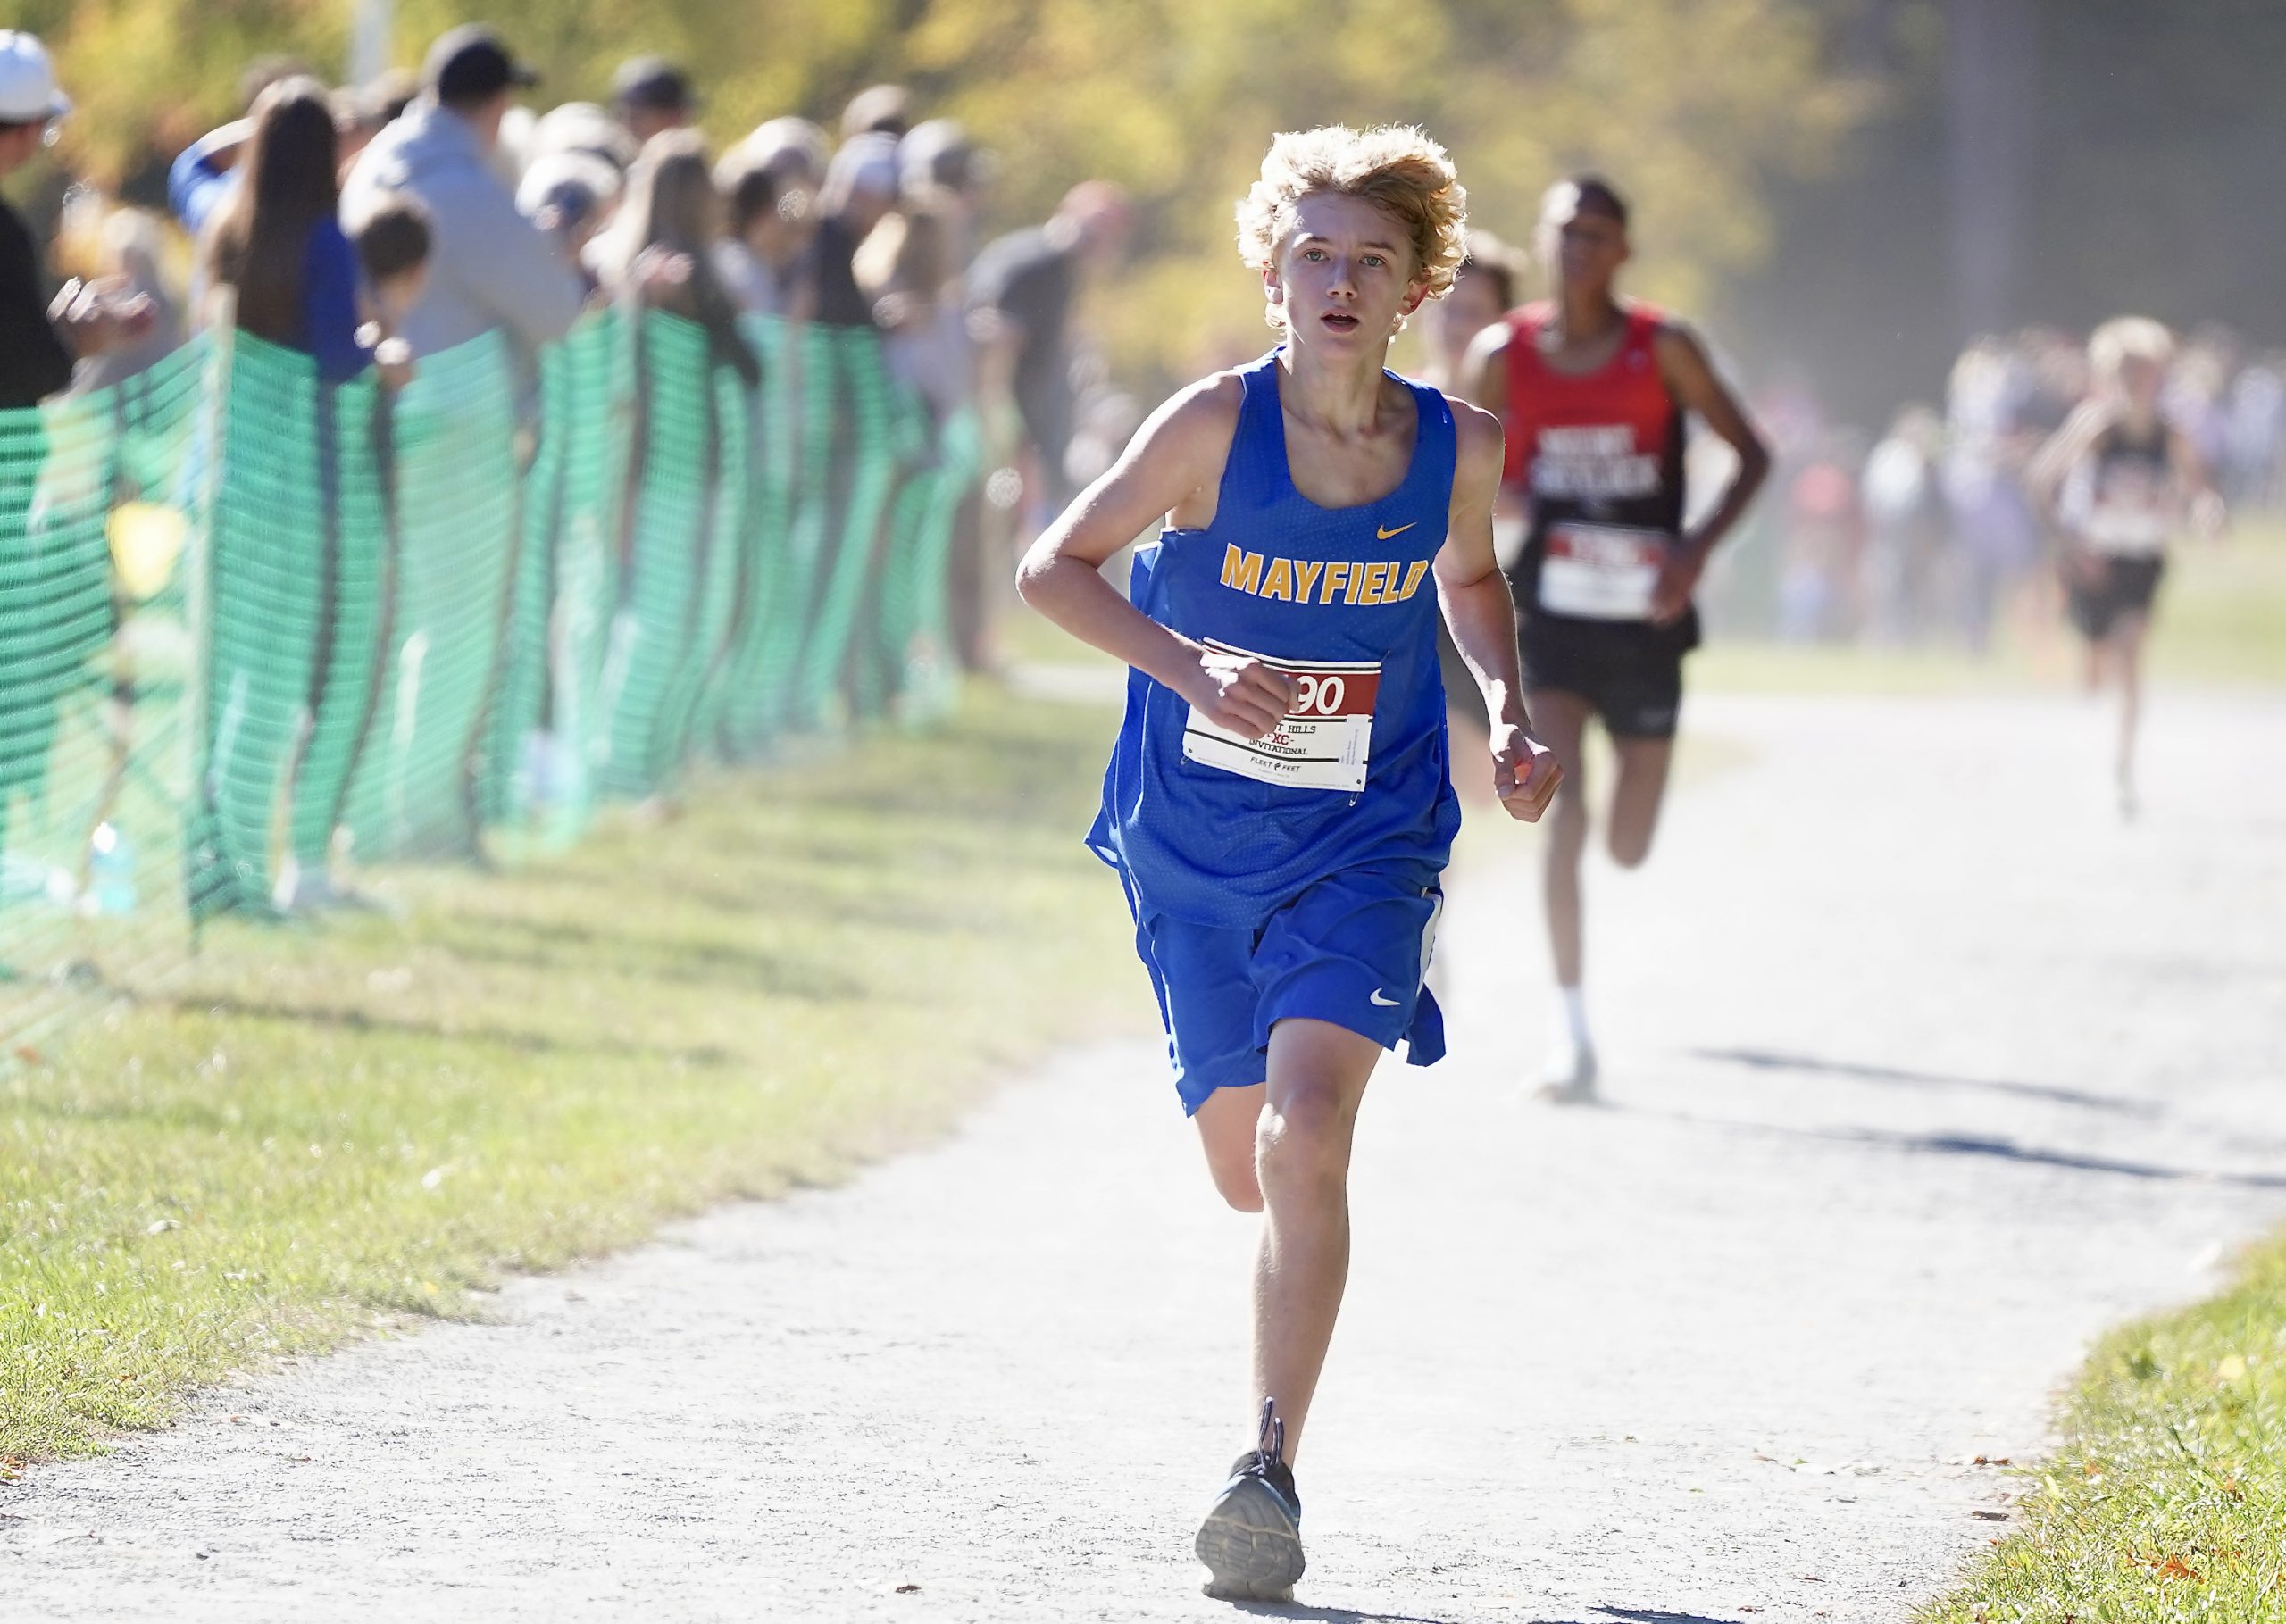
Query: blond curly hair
{"points": [[2111, 345], [1396, 167]]}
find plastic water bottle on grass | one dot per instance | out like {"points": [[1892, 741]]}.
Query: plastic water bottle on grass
{"points": [[111, 871]]}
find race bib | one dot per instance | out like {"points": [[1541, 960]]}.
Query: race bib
{"points": [[2131, 513], [1324, 742], [1601, 571]]}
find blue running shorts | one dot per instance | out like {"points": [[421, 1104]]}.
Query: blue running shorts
{"points": [[1351, 949]]}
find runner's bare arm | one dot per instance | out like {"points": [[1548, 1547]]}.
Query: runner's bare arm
{"points": [[1477, 606], [1174, 461], [2052, 463], [1691, 380], [1485, 375], [2208, 511]]}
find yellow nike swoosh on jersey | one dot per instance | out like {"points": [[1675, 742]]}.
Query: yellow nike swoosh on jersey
{"points": [[1381, 535]]}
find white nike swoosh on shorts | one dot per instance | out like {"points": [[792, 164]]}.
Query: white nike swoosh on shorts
{"points": [[1375, 997]]}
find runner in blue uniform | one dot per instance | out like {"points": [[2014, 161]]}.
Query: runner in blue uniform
{"points": [[1278, 805]]}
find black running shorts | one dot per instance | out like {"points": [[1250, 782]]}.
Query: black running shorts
{"points": [[2118, 587], [1630, 675]]}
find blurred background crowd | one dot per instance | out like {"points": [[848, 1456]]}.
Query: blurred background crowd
{"points": [[1924, 531], [2047, 183], [371, 225]]}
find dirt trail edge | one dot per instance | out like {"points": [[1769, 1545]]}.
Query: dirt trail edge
{"points": [[1924, 1068]]}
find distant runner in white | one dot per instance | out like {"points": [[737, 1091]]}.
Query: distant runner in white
{"points": [[2121, 481]]}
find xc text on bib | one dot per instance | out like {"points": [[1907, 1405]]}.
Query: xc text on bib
{"points": [[1325, 743]]}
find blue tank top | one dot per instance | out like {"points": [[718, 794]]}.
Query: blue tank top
{"points": [[1341, 589]]}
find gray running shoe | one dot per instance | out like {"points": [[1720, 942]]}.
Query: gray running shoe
{"points": [[1251, 1541]]}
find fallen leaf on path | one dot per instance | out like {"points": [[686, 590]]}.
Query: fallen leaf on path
{"points": [[1991, 1516], [906, 1589], [2175, 1566]]}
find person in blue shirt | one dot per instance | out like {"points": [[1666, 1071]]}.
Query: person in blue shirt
{"points": [[1277, 805], [263, 196]]}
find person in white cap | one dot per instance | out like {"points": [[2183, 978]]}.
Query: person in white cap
{"points": [[40, 338]]}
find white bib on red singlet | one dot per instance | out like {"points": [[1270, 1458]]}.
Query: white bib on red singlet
{"points": [[1601, 571]]}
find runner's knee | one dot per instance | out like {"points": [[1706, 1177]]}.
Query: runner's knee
{"points": [[1629, 847], [1303, 1146]]}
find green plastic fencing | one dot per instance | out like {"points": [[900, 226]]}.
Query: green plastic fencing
{"points": [[99, 674], [257, 631]]}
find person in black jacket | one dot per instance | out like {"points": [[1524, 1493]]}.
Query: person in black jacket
{"points": [[40, 340]]}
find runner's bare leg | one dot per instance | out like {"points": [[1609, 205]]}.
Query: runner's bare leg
{"points": [[2126, 650], [1562, 719], [1318, 1073], [1227, 1125], [1637, 793]]}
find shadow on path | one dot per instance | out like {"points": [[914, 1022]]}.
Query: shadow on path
{"points": [[1327, 1615], [2009, 1150], [1766, 1060], [1971, 1144]]}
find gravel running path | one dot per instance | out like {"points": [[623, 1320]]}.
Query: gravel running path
{"points": [[1924, 1068]]}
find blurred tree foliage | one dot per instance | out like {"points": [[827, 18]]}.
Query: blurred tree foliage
{"points": [[1692, 106]]}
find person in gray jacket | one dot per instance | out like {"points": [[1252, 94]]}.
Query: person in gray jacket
{"points": [[490, 267]]}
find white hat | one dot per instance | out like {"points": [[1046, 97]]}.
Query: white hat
{"points": [[864, 162], [27, 92], [577, 179]]}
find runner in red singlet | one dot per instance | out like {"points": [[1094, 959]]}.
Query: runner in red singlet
{"points": [[1593, 391]]}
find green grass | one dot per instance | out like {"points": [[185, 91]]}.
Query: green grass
{"points": [[1033, 639], [2222, 613], [317, 1131], [2167, 1502]]}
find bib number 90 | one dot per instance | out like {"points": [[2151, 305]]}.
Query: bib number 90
{"points": [[1319, 694]]}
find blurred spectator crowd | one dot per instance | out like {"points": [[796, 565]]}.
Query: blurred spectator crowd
{"points": [[1929, 534], [371, 225]]}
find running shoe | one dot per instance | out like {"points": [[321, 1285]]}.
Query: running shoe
{"points": [[1570, 1078], [1251, 1541]]}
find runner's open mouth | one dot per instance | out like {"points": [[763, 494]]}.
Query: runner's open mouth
{"points": [[1339, 321]]}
